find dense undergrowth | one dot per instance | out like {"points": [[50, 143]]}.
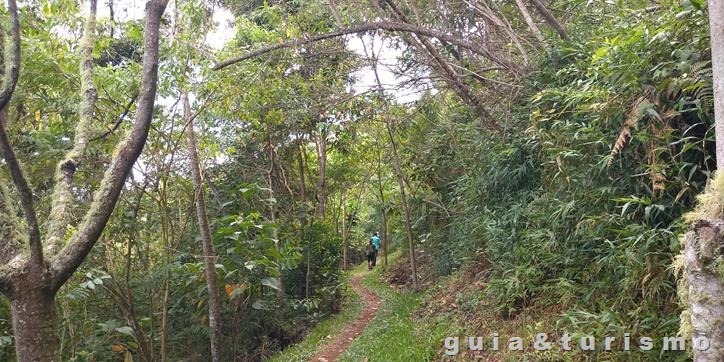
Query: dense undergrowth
{"points": [[577, 207]]}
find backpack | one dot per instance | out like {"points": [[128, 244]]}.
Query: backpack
{"points": [[370, 249]]}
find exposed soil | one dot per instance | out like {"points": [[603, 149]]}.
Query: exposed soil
{"points": [[400, 274], [371, 302]]}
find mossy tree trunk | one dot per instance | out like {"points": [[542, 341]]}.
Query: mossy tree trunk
{"points": [[704, 243], [703, 246], [32, 270]]}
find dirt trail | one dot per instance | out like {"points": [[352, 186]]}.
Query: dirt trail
{"points": [[371, 303]]}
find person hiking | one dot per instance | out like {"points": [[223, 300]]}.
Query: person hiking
{"points": [[371, 255], [375, 241]]}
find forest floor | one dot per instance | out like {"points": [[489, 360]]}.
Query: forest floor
{"points": [[370, 305]]}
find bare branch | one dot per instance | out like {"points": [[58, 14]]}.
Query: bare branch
{"points": [[119, 120], [62, 198], [443, 67], [383, 25], [531, 24], [550, 19], [501, 22], [126, 154]]}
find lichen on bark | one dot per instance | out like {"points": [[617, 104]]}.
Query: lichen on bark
{"points": [[701, 287], [62, 199]]}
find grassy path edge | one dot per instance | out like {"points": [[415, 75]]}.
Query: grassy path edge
{"points": [[330, 326]]}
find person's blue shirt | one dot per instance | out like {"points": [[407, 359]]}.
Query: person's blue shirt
{"points": [[376, 242]]}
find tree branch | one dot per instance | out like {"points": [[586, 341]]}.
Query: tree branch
{"points": [[550, 19], [12, 57], [12, 72], [445, 70], [62, 198], [531, 24], [382, 25], [119, 120], [126, 154], [24, 191]]}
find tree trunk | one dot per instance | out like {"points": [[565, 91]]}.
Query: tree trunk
{"points": [[303, 231], [322, 182], [302, 182], [344, 234], [34, 321], [405, 207], [384, 236], [308, 275], [271, 181], [32, 284], [206, 241], [164, 320], [716, 24], [381, 196], [704, 243], [702, 254]]}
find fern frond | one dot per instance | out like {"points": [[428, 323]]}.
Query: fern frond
{"points": [[701, 70]]}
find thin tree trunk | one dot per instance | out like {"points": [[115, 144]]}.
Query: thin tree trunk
{"points": [[405, 206], [345, 264], [308, 275], [381, 196], [124, 293], [164, 320], [302, 183], [400, 178], [206, 240], [166, 237], [303, 194], [271, 180], [321, 142], [384, 236]]}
